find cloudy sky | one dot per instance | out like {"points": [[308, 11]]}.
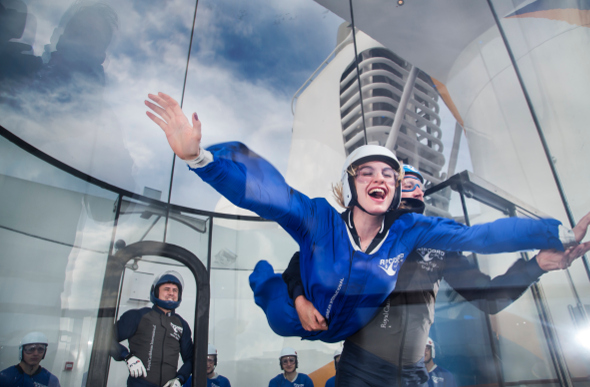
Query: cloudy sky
{"points": [[247, 61]]}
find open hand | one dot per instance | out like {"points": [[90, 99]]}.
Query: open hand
{"points": [[581, 227], [310, 318], [550, 260], [184, 138]]}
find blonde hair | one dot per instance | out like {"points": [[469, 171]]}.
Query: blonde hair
{"points": [[337, 189]]}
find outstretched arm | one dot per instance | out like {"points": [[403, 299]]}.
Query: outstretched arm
{"points": [[499, 292], [184, 138], [501, 235], [240, 175]]}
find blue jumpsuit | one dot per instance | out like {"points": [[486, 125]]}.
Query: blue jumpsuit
{"points": [[15, 377], [345, 285], [217, 381], [440, 377], [302, 380]]}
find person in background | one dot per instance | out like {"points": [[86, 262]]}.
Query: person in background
{"points": [[156, 336], [290, 376], [438, 376], [28, 372], [213, 378], [332, 381]]}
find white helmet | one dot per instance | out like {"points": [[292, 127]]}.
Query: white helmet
{"points": [[362, 155], [430, 343], [212, 351], [288, 351], [32, 338]]}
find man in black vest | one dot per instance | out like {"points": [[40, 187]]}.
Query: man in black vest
{"points": [[156, 337]]}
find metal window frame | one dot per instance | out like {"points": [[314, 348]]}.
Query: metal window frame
{"points": [[100, 358]]}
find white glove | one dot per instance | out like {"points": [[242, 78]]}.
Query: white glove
{"points": [[136, 368], [173, 383]]}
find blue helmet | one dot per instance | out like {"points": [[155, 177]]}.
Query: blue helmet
{"points": [[167, 277], [408, 169]]}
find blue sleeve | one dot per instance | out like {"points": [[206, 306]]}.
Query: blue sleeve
{"points": [[186, 352], [308, 382], [250, 182], [7, 375], [53, 381], [499, 236], [274, 382], [124, 329]]}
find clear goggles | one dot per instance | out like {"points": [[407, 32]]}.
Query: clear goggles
{"points": [[30, 348], [287, 360], [367, 174]]}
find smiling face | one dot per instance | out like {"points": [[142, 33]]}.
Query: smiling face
{"points": [[288, 363], [375, 186], [168, 292]]}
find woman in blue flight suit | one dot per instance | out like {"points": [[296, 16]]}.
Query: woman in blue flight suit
{"points": [[346, 277]]}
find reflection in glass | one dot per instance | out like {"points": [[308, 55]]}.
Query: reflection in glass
{"points": [[55, 238]]}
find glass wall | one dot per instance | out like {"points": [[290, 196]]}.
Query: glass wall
{"points": [[496, 88]]}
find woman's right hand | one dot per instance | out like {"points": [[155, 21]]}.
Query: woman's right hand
{"points": [[184, 138], [311, 319]]}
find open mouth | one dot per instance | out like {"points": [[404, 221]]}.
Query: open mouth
{"points": [[377, 193]]}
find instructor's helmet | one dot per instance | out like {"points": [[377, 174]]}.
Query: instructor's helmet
{"points": [[410, 170], [212, 351], [415, 176], [167, 277], [362, 155], [430, 343], [288, 351], [32, 338]]}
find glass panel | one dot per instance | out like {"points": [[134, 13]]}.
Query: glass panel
{"points": [[464, 333], [72, 81], [548, 43], [248, 349], [74, 77], [247, 61], [55, 232]]}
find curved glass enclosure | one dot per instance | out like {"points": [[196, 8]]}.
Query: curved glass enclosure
{"points": [[486, 99]]}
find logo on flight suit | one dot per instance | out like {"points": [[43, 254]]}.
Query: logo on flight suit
{"points": [[387, 264], [177, 331], [430, 258]]}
